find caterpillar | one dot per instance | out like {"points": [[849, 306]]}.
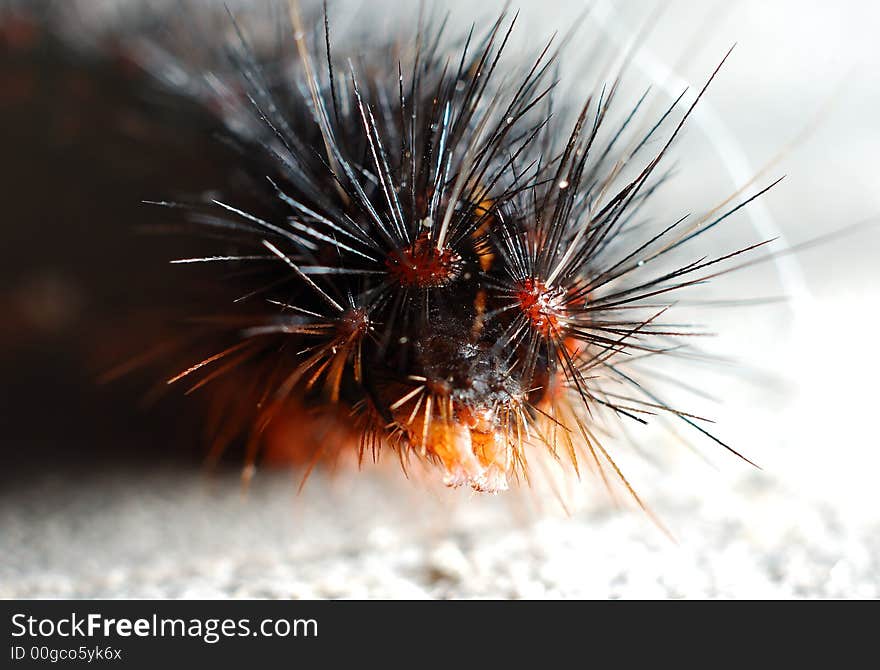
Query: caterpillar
{"points": [[425, 247]]}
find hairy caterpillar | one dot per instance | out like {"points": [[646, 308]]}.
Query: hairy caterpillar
{"points": [[429, 252]]}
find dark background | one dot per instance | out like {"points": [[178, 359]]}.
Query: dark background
{"points": [[85, 283]]}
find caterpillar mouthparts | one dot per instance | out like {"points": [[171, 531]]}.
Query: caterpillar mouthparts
{"points": [[433, 253]]}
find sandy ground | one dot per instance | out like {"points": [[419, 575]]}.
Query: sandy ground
{"points": [[807, 525], [164, 533]]}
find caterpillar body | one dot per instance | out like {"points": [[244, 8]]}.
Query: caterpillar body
{"points": [[425, 247]]}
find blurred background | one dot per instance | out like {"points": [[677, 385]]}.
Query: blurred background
{"points": [[104, 494]]}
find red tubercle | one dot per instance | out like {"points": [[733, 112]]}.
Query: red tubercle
{"points": [[542, 305], [354, 322], [423, 265]]}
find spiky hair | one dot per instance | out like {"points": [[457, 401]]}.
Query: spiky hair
{"points": [[426, 245]]}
